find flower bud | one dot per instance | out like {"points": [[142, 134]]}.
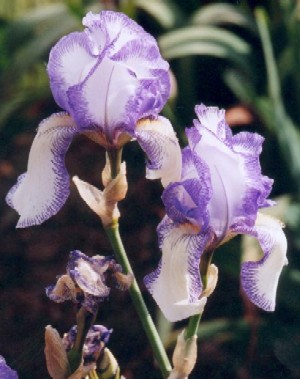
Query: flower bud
{"points": [[104, 203], [184, 357]]}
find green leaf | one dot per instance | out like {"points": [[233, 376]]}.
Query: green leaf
{"points": [[165, 12], [216, 14], [205, 41]]}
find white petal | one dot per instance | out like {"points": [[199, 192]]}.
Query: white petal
{"points": [[176, 285], [69, 63], [260, 279], [42, 191], [158, 139], [103, 98]]}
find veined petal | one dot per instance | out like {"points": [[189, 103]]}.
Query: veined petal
{"points": [[119, 29], [260, 279], [102, 99], [213, 119], [69, 63], [158, 139], [176, 285], [43, 190], [228, 189]]}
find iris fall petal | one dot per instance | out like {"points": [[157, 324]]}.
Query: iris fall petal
{"points": [[44, 188], [260, 279]]}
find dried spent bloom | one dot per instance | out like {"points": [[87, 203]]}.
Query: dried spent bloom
{"points": [[5, 371], [219, 195], [95, 342], [112, 82], [85, 280]]}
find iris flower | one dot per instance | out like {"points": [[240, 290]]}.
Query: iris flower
{"points": [[219, 195], [112, 82]]}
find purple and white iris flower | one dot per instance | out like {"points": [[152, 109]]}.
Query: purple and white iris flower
{"points": [[85, 280], [112, 82], [5, 371], [219, 195]]}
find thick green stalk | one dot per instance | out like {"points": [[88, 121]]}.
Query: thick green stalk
{"points": [[138, 301]]}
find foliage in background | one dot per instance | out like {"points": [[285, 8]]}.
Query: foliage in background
{"points": [[221, 53]]}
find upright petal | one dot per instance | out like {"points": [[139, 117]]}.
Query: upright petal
{"points": [[176, 285], [70, 61], [158, 139], [238, 187], [103, 97], [187, 200], [260, 279], [118, 28], [43, 190]]}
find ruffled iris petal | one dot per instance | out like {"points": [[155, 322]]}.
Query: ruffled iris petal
{"points": [[103, 98], [157, 138], [69, 63], [239, 189], [176, 285], [43, 190], [260, 279], [119, 30]]}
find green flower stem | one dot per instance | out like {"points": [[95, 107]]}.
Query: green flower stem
{"points": [[194, 321], [115, 157], [138, 301]]}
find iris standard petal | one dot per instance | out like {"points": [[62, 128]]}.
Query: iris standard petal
{"points": [[238, 187], [187, 200], [260, 279], [70, 61], [176, 285], [44, 188], [158, 139], [102, 99], [118, 27], [226, 175]]}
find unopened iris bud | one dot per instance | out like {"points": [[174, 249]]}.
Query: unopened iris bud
{"points": [[104, 203], [184, 357], [56, 357]]}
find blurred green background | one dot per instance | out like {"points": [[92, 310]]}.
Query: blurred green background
{"points": [[243, 56]]}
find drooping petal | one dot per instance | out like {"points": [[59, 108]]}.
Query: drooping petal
{"points": [[63, 290], [70, 61], [158, 139], [176, 285], [260, 279], [43, 190]]}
